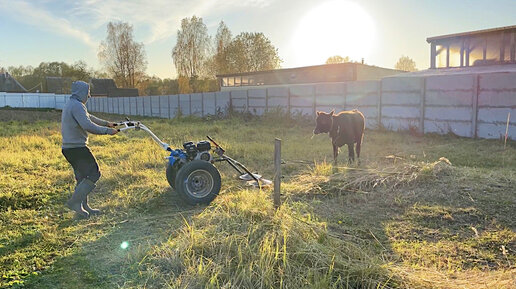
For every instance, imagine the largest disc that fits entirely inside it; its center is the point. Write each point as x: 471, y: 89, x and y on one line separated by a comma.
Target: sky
x: 305, y: 32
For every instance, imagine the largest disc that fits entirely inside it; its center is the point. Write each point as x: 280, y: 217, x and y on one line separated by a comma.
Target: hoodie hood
x: 80, y: 91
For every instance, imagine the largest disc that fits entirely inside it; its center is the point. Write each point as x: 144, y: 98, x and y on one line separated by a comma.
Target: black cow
x: 346, y: 127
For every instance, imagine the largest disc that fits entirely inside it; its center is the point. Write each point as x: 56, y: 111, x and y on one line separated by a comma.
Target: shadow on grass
x: 109, y: 248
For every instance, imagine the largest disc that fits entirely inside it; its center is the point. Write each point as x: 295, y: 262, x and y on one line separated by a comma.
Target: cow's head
x: 323, y: 122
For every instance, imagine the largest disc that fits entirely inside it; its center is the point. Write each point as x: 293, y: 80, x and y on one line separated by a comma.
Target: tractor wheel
x: 198, y: 182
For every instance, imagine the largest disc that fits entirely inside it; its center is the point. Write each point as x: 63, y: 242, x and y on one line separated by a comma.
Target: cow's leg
x: 351, y: 152
x: 359, y: 145
x: 335, y: 153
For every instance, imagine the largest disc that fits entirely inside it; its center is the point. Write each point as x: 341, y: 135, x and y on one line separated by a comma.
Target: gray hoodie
x: 76, y: 122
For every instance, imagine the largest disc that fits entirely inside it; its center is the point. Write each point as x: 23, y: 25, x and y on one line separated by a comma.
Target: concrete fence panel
x: 257, y: 101
x: 222, y: 101
x: 239, y: 100
x: 155, y: 106
x: 208, y: 103
x: 116, y: 105
x: 362, y: 93
x: 185, y: 104
x: 277, y: 97
x: 132, y: 105
x: 147, y: 106
x: 496, y: 115
x: 451, y: 90
x: 397, y: 124
x: 46, y: 101
x: 330, y: 96
x: 445, y: 127
x: 163, y: 106
x: 127, y: 105
x: 140, y: 106
x: 121, y: 105
x: 497, y: 90
x: 401, y: 91
x: 302, y: 99
x: 14, y: 100
x: 174, y: 105
x: 492, y: 130
x: 448, y: 113
x: 196, y: 104
x: 109, y: 105
x: 61, y: 100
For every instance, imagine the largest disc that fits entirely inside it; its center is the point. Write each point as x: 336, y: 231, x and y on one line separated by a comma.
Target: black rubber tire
x: 198, y: 182
x: 171, y: 175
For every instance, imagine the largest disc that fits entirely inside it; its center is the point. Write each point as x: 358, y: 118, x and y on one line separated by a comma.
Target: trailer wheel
x: 198, y: 182
x: 171, y: 174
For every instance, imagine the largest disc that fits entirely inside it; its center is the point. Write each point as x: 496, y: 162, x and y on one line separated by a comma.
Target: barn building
x: 340, y: 72
x: 107, y: 87
x: 10, y: 84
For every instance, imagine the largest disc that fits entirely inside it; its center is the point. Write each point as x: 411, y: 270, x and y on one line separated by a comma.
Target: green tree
x: 35, y: 78
x: 337, y: 59
x: 123, y: 58
x: 192, y: 49
x: 406, y: 63
x: 250, y: 52
x: 222, y: 41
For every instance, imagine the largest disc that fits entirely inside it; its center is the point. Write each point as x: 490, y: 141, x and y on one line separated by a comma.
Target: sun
x: 333, y: 28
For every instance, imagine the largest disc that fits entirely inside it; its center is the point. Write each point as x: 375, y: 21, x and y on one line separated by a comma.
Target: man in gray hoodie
x: 76, y: 122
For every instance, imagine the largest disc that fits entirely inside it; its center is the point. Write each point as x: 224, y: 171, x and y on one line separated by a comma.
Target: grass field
x: 419, y: 212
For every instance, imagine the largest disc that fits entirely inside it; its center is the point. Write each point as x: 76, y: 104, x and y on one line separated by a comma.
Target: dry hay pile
x: 388, y: 177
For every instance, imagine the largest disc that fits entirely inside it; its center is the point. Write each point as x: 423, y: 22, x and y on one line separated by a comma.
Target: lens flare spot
x: 124, y: 245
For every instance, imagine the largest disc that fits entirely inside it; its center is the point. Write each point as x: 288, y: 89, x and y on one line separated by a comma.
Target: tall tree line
x: 198, y: 59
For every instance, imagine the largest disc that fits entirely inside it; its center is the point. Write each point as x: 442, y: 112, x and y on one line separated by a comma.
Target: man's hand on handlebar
x: 113, y: 131
x: 112, y: 124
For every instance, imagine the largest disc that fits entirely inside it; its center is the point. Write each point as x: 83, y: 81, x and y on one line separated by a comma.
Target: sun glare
x: 333, y: 28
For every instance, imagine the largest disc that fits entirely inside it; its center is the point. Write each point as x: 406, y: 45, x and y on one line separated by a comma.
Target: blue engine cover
x: 175, y: 155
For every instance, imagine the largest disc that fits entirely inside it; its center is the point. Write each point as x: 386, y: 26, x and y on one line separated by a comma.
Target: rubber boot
x: 86, y: 207
x: 79, y: 195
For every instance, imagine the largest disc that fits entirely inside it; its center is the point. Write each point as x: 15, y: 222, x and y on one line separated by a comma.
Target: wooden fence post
x: 277, y: 172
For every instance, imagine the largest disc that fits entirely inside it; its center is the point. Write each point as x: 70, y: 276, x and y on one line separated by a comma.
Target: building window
x: 476, y: 50
x: 245, y: 81
x: 231, y: 81
x: 237, y: 81
x: 441, y: 56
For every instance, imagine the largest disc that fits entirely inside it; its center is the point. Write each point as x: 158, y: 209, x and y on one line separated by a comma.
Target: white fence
x: 474, y: 105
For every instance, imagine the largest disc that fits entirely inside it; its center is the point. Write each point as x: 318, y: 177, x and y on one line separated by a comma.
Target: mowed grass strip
x: 419, y: 212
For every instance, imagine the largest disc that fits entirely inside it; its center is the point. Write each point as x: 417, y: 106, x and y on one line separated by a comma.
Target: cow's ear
x: 332, y: 112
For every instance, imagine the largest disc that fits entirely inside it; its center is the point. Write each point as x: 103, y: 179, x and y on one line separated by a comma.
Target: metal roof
x: 469, y: 33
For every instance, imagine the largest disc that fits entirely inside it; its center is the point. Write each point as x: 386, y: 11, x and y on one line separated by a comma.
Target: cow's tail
x: 360, y: 137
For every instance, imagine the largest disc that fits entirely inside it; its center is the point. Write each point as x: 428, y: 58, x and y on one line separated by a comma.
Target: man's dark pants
x: 83, y: 163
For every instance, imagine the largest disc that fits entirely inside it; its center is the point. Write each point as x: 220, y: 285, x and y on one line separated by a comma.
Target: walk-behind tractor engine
x: 190, y: 170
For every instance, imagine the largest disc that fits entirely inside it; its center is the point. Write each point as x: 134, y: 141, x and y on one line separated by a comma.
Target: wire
x: 40, y: 87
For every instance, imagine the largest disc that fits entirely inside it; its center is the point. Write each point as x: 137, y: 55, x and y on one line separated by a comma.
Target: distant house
x: 9, y: 84
x: 107, y: 87
x: 495, y: 46
x: 340, y: 72
x: 58, y: 85
x: 100, y: 86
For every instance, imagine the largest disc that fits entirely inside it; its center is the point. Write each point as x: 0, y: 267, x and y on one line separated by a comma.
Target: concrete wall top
x: 302, y: 90
x: 330, y: 88
x: 450, y: 82
x: 401, y: 84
